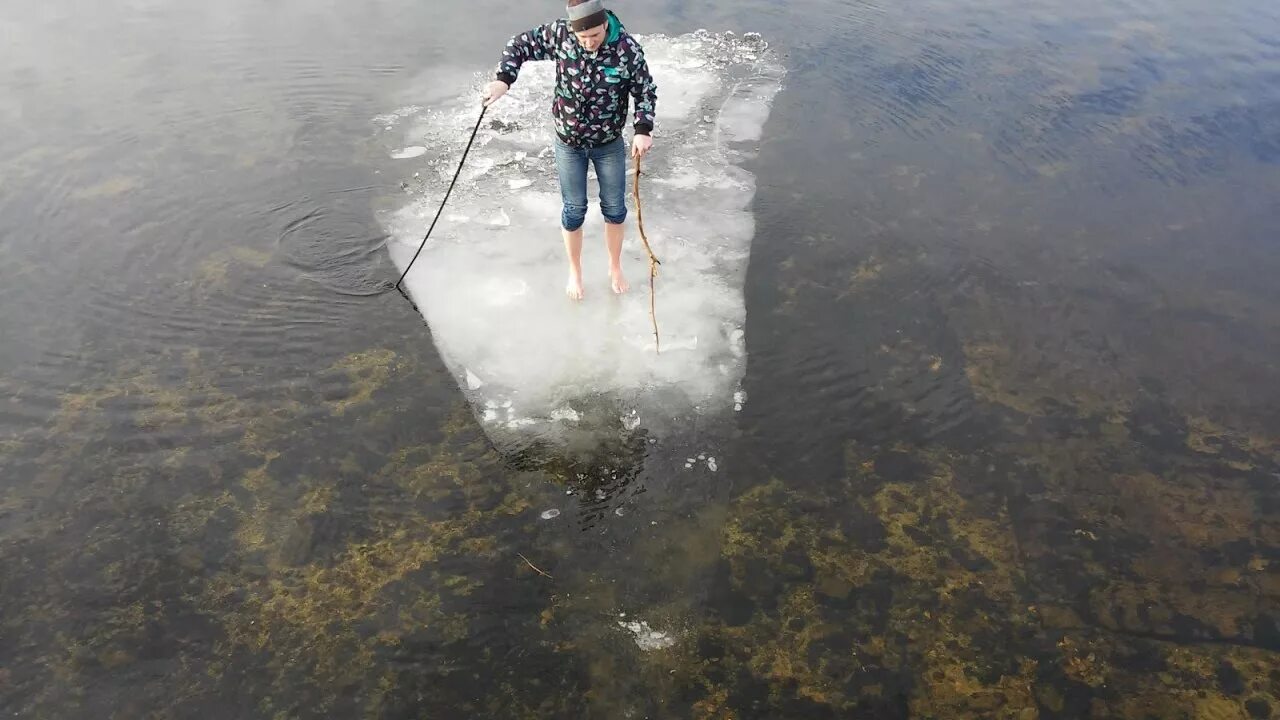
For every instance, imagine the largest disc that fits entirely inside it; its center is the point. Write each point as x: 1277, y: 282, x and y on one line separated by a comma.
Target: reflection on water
x: 1012, y: 445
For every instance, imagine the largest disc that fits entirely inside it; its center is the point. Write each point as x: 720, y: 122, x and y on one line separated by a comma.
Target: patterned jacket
x: 591, y: 98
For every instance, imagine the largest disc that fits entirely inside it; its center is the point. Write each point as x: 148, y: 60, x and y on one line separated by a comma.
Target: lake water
x: 1010, y: 445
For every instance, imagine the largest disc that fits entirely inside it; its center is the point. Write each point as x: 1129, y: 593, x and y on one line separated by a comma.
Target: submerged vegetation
x: 346, y: 554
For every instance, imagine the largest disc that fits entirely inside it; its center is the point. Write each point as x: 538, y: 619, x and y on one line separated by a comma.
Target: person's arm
x: 536, y: 44
x: 645, y: 93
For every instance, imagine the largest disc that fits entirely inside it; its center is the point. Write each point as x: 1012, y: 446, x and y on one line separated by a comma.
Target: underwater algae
x: 113, y: 499
x: 333, y: 622
x: 802, y: 619
x: 213, y: 272
x: 368, y: 371
x: 112, y: 187
x: 1146, y: 531
x: 336, y: 552
x: 1121, y: 496
x: 975, y: 629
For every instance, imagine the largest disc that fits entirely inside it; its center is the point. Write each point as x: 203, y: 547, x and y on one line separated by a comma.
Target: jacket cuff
x: 644, y: 128
x: 507, y: 78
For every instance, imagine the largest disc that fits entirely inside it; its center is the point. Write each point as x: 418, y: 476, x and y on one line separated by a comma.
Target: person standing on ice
x: 599, y: 67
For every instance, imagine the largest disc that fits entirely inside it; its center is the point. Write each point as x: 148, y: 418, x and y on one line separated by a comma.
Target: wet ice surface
x: 490, y: 282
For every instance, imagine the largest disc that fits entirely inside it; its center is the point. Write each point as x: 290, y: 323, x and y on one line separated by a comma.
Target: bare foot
x: 574, y: 287
x: 619, y: 282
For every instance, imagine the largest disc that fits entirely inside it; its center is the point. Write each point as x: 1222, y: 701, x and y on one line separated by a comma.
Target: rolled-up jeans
x: 611, y: 170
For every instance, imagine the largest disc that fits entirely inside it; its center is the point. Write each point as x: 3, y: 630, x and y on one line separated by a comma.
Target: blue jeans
x: 611, y: 170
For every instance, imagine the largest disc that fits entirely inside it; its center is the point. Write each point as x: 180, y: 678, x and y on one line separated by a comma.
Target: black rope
x: 461, y: 162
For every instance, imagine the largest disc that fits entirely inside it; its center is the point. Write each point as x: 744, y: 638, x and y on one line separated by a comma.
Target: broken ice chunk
x: 646, y: 637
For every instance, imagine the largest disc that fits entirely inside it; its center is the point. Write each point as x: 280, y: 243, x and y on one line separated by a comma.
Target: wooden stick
x: 535, y: 567
x: 653, y: 261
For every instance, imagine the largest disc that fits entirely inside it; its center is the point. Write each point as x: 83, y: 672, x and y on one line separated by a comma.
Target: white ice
x: 490, y: 282
x: 646, y: 637
x: 409, y: 153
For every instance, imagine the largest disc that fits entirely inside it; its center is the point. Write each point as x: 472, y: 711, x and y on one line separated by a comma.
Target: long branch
x: 653, y: 260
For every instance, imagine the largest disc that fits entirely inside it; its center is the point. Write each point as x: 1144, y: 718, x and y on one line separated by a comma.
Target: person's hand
x: 493, y: 91
x: 640, y: 145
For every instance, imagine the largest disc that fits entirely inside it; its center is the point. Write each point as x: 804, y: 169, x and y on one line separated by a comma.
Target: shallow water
x: 1011, y: 445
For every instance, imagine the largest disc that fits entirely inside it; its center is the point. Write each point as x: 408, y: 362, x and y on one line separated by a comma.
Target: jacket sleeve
x: 644, y: 90
x: 536, y: 44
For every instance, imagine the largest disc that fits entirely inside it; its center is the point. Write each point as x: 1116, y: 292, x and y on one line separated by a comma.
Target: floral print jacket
x: 592, y: 89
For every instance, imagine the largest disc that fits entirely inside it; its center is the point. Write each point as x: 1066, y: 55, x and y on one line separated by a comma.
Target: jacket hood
x: 615, y: 28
